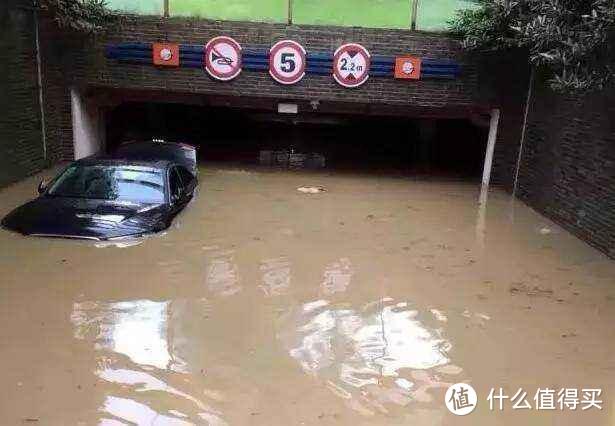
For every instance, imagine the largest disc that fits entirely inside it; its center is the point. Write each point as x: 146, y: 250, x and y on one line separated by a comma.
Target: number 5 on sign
x: 287, y: 61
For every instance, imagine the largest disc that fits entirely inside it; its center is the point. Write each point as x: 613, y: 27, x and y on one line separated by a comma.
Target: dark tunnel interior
x: 435, y: 147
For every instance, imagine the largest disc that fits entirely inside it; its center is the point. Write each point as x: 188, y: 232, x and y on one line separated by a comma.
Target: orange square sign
x: 166, y: 54
x: 408, y: 67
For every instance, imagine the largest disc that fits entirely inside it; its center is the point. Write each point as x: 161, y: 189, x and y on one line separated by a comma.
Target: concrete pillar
x: 88, y: 126
x: 493, y: 135
x: 484, y: 191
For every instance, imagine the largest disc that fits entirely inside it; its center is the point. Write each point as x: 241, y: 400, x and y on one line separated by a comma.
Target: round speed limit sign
x: 351, y: 65
x: 287, y: 62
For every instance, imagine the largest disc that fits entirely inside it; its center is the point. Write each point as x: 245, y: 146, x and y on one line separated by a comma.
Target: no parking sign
x: 351, y: 65
x: 287, y: 62
x: 223, y: 58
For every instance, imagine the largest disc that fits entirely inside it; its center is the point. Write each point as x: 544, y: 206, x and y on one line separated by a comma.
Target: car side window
x: 175, y: 183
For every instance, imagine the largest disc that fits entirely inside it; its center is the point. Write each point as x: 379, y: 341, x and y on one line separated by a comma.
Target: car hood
x: 83, y: 218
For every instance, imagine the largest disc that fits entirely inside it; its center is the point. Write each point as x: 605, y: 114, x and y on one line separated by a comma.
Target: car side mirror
x: 42, y: 186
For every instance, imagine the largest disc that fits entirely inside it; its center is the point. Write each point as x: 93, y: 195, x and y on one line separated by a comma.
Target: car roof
x: 109, y: 161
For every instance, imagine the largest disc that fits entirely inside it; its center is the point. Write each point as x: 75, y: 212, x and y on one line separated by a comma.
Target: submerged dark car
x: 114, y: 197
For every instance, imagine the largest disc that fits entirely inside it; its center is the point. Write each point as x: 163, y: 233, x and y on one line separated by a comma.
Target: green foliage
x: 85, y: 16
x: 573, y: 39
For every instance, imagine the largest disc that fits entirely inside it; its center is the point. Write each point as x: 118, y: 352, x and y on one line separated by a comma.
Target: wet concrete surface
x: 267, y: 306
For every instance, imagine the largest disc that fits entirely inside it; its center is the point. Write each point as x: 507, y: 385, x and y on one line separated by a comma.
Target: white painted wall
x: 88, y: 126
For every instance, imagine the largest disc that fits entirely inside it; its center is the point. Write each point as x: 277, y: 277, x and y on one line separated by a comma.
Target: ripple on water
x: 222, y: 277
x: 276, y: 276
x: 379, y: 353
x: 142, y: 362
x: 135, y: 328
x: 337, y: 277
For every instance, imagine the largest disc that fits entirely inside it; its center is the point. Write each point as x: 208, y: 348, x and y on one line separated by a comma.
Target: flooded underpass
x: 265, y: 305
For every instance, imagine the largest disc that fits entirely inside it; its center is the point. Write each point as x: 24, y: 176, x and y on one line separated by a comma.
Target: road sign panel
x: 165, y: 54
x: 287, y: 62
x: 408, y: 67
x: 223, y: 58
x: 351, y: 65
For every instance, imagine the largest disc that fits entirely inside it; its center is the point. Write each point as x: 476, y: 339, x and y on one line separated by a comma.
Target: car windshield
x: 105, y: 182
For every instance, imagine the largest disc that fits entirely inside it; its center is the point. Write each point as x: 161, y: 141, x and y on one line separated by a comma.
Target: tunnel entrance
x: 452, y: 148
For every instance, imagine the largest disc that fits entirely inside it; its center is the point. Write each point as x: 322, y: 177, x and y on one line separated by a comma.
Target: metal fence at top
x: 423, y: 15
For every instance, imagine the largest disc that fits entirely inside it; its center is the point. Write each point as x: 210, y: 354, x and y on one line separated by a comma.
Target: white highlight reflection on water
x: 136, y: 413
x: 222, y: 277
x: 337, y: 276
x: 138, y: 329
x: 352, y: 349
x: 382, y: 340
x: 276, y: 276
x: 135, y: 328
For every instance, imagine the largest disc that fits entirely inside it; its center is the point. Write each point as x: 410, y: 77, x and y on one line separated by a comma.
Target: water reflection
x: 145, y: 383
x: 337, y: 277
x: 276, y: 276
x: 136, y: 413
x: 141, y: 331
x: 135, y: 328
x: 222, y: 277
x: 129, y: 242
x: 379, y: 353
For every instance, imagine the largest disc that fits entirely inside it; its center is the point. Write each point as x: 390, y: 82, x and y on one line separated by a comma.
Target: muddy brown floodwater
x: 264, y: 305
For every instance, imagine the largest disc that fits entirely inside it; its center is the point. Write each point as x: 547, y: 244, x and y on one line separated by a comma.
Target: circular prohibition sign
x: 223, y: 58
x: 287, y: 62
x: 351, y: 65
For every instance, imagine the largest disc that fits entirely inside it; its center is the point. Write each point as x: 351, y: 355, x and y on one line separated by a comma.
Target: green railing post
x: 290, y: 12
x: 414, y: 14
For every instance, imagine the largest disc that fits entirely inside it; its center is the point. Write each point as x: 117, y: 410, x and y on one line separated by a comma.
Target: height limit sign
x: 351, y: 65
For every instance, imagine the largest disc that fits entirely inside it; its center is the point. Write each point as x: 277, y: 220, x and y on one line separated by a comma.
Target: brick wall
x: 510, y: 75
x: 426, y: 93
x: 72, y: 61
x: 486, y: 81
x: 21, y: 149
x: 568, y: 164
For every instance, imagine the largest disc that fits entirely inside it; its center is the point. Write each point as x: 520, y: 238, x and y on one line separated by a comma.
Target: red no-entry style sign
x: 223, y: 58
x: 287, y: 61
x: 351, y: 65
